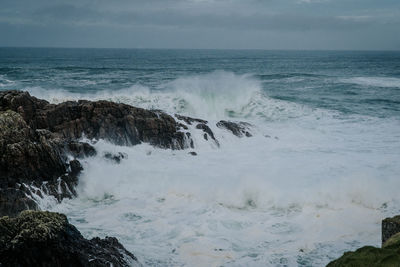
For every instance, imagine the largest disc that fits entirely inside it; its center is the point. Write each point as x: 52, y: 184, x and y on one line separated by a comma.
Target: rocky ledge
x: 40, y: 148
x: 40, y: 152
x: 387, y: 256
x: 38, y: 238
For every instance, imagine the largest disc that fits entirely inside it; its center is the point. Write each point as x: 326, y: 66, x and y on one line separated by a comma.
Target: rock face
x: 388, y: 255
x: 118, y: 123
x: 239, y: 129
x: 390, y: 227
x: 36, y: 238
x: 28, y: 159
x: 37, y: 137
x: 39, y: 154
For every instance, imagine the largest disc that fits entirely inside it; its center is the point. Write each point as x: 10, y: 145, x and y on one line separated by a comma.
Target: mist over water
x: 319, y: 174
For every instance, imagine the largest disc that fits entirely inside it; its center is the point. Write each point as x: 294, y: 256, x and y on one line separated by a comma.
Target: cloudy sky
x: 232, y: 24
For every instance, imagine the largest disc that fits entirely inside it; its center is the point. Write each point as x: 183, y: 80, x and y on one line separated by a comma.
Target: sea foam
x: 308, y: 185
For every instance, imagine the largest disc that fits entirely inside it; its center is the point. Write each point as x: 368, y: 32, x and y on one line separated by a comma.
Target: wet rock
x: 207, y: 130
x: 14, y: 200
x: 118, y: 123
x: 36, y: 238
x: 239, y: 129
x: 190, y: 120
x: 28, y: 157
x: 80, y: 149
x: 116, y: 158
x: 390, y: 227
x: 37, y: 139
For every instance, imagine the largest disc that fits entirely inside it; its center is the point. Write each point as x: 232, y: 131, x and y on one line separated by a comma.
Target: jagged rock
x: 80, y: 149
x: 36, y: 238
x: 115, y: 157
x: 118, y: 123
x: 239, y: 129
x: 28, y: 157
x: 14, y: 200
x: 390, y: 227
x: 207, y: 132
x: 37, y: 137
x: 190, y: 120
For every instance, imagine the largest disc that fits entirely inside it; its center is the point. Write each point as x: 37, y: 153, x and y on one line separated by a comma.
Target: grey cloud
x: 202, y: 23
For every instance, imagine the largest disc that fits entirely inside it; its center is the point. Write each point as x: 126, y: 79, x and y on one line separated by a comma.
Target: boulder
x: 116, y: 158
x: 239, y: 129
x: 37, y: 238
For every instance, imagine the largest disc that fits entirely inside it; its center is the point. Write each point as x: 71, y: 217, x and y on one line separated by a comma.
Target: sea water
x: 320, y: 172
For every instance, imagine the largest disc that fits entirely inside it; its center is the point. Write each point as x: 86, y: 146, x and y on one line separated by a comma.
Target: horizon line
x: 232, y: 49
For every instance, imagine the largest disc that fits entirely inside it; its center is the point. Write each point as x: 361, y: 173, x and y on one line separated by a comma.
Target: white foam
x: 319, y: 188
x: 375, y: 81
x: 4, y: 82
x: 216, y: 95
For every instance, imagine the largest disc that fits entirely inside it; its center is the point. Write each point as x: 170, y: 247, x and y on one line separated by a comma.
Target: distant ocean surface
x: 319, y: 174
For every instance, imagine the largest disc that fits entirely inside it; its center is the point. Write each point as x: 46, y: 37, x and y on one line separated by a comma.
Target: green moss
x: 31, y: 226
x: 12, y: 126
x: 370, y: 257
x: 394, y: 241
x: 395, y: 219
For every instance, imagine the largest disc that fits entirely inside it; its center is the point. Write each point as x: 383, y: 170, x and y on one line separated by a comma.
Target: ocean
x: 320, y: 172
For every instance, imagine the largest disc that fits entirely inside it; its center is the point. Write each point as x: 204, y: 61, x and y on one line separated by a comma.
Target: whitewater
x: 316, y: 178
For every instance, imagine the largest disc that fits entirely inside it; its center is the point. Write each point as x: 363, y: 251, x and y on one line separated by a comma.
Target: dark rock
x: 192, y: 153
x: 190, y: 120
x: 28, y: 157
x: 390, y: 227
x: 115, y: 157
x: 36, y: 238
x: 239, y: 129
x: 75, y: 167
x: 118, y: 123
x: 14, y: 200
x: 208, y: 131
x: 191, y: 140
x: 80, y: 149
x: 36, y: 138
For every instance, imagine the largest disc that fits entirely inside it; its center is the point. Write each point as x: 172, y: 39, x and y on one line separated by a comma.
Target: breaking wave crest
x: 277, y: 198
x: 375, y: 81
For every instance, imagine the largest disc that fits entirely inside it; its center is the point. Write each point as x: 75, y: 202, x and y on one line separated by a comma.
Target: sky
x: 202, y: 24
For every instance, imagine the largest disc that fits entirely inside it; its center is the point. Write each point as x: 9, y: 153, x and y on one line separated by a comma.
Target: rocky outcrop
x: 37, y: 238
x: 388, y: 255
x: 40, y: 149
x: 116, y: 158
x: 390, y: 227
x: 118, y: 123
x: 31, y: 159
x: 239, y: 129
x: 37, y: 138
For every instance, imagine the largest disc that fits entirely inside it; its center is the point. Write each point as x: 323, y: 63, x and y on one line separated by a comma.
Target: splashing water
x: 316, y: 178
